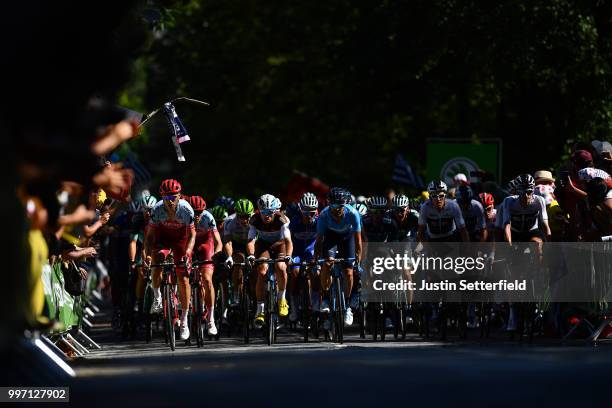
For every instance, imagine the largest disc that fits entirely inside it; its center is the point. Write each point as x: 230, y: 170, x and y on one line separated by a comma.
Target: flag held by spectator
x: 403, y: 174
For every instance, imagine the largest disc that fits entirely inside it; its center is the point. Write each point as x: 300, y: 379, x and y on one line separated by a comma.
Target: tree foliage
x: 337, y: 88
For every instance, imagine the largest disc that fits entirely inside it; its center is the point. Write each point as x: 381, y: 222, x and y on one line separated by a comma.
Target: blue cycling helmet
x: 464, y: 194
x: 225, y: 202
x: 338, y: 195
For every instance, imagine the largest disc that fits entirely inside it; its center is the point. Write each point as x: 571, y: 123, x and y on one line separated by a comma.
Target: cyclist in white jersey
x: 524, y: 215
x: 441, y: 218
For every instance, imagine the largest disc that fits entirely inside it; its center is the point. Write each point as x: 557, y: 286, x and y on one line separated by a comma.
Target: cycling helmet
x: 244, y: 207
x: 437, y: 186
x: 362, y: 209
x: 464, y: 194
x: 197, y: 203
x: 525, y: 182
x: 136, y: 205
x: 225, y: 202
x: 400, y: 201
x: 169, y: 187
x: 338, y: 195
x: 377, y: 203
x: 309, y: 202
x: 219, y: 213
x: 361, y: 199
x: 353, y: 201
x: 486, y: 199
x: 268, y: 202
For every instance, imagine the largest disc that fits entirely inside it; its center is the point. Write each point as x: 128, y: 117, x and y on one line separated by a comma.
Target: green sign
x: 446, y: 158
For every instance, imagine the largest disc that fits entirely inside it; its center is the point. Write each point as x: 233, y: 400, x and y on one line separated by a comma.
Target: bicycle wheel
x: 381, y: 323
x: 362, y: 320
x: 339, y: 314
x: 244, y: 304
x: 270, y: 323
x: 197, y: 316
x: 169, y: 313
x: 305, y: 311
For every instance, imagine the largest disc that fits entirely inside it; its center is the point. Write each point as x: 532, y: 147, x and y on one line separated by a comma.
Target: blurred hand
x: 81, y: 215
x: 112, y: 179
x: 104, y: 218
x: 114, y: 136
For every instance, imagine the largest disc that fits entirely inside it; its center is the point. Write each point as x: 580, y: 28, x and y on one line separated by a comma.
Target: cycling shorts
x: 527, y: 236
x: 344, y: 244
x: 271, y: 250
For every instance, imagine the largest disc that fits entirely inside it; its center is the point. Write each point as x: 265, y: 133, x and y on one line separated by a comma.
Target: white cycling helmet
x: 268, y: 202
x: 309, y: 202
x: 149, y: 202
x: 362, y: 209
x: 437, y: 186
x: 377, y: 203
x: 400, y: 201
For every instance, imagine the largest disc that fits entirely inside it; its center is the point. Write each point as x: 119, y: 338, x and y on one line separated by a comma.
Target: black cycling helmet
x: 525, y: 182
x: 338, y: 195
x: 464, y: 194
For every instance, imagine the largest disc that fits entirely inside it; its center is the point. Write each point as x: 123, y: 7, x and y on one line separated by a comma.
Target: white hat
x: 460, y: 178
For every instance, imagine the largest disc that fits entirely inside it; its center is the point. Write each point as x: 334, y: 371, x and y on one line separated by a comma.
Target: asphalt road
x: 357, y: 373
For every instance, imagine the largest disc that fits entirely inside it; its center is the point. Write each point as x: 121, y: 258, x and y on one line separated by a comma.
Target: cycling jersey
x: 474, y: 217
x: 274, y: 231
x: 170, y: 232
x: 524, y: 218
x: 349, y: 223
x: 303, y: 235
x: 443, y: 223
x: 374, y: 232
x: 235, y: 231
x: 499, y: 217
x: 206, y: 227
x: 400, y: 231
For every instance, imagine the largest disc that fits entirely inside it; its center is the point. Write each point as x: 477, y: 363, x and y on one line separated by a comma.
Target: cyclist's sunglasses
x: 170, y: 198
x: 489, y: 208
x: 308, y: 213
x: 439, y: 196
x: 400, y: 210
x: 377, y: 210
x: 336, y: 206
x: 268, y: 213
x: 244, y: 216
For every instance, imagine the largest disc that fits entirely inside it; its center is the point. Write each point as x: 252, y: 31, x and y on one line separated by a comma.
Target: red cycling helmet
x: 486, y: 199
x: 197, y: 203
x: 169, y: 186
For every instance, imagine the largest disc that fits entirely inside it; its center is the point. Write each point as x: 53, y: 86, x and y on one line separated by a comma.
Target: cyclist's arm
x: 250, y: 246
x: 227, y: 247
x: 358, y: 246
x: 217, y: 239
x: 507, y: 233
x: 132, y: 249
x: 421, y: 234
x: 464, y: 234
x: 484, y: 235
x: 149, y: 241
x: 546, y: 229
x: 318, y: 248
x: 191, y: 242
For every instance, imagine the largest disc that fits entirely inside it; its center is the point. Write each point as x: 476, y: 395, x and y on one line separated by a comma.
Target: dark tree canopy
x: 337, y: 88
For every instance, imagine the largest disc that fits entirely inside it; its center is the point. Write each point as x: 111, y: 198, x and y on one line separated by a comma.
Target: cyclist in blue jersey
x: 338, y: 226
x: 303, y: 227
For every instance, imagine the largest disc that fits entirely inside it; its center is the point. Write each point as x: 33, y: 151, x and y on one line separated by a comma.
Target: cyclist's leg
x: 346, y: 249
x: 159, y: 256
x: 278, y: 250
x: 261, y: 251
x: 237, y: 272
x: 205, y: 252
x: 183, y: 282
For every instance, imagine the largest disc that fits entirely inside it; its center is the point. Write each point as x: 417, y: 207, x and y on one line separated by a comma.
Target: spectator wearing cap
x: 460, y: 179
x: 544, y: 177
x: 603, y: 158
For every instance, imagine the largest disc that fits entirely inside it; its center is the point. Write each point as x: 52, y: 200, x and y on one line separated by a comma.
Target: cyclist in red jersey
x: 171, y: 227
x: 208, y: 242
